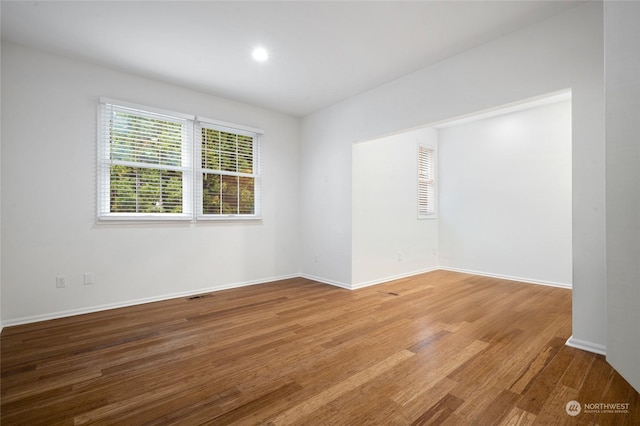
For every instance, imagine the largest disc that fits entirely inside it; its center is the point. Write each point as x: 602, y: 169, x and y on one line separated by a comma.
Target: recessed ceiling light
x: 260, y: 54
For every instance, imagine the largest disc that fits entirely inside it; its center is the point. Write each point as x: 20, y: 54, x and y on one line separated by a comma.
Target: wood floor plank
x: 439, y: 412
x: 309, y: 406
x: 425, y: 398
x: 615, y: 392
x: 518, y: 417
x: 537, y: 394
x: 554, y: 409
x: 438, y: 348
x: 435, y: 365
x: 576, y: 374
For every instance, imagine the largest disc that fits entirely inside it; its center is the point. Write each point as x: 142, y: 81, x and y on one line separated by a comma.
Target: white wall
x: 505, y: 195
x: 1, y: 323
x: 388, y: 239
x: 563, y: 52
x: 622, y: 47
x: 49, y: 197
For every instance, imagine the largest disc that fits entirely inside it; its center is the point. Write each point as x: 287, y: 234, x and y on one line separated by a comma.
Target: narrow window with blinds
x: 144, y: 164
x: 228, y: 172
x: 426, y: 182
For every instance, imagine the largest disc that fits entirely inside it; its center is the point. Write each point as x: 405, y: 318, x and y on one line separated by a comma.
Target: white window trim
x: 229, y: 126
x: 192, y: 205
x: 146, y: 108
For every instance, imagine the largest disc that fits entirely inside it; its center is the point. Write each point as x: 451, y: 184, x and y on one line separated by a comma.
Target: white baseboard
x: 326, y: 281
x: 506, y: 277
x: 586, y: 346
x: 98, y: 308
x: 393, y: 278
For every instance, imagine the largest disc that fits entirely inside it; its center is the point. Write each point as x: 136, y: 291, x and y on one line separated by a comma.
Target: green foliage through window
x: 228, y: 181
x: 143, y: 190
x: 145, y: 162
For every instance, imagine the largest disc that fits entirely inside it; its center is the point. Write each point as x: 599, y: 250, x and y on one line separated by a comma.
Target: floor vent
x: 390, y: 293
x: 198, y: 296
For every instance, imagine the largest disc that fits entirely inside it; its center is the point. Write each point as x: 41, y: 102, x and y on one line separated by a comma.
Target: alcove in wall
x: 503, y: 204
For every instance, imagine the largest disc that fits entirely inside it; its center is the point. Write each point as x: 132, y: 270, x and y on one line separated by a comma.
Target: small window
x: 426, y: 182
x: 228, y: 179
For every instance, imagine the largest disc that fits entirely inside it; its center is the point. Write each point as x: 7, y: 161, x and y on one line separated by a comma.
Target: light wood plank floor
x: 439, y: 348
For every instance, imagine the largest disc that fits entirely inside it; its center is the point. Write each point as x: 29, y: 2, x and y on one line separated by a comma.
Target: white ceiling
x: 320, y: 52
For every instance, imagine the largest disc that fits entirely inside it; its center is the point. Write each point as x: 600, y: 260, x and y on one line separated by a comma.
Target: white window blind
x: 144, y: 164
x: 227, y: 176
x: 426, y: 182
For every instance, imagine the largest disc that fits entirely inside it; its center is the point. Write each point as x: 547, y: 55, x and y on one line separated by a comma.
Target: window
x: 228, y: 171
x: 144, y: 164
x: 426, y: 182
x: 151, y: 166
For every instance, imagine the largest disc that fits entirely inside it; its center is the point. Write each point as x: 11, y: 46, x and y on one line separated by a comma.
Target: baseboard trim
x: 105, y: 307
x: 586, y: 346
x: 507, y: 277
x: 393, y: 278
x: 326, y: 281
x: 97, y: 308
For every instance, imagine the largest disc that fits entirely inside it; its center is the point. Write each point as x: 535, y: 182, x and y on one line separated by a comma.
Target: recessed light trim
x: 260, y: 54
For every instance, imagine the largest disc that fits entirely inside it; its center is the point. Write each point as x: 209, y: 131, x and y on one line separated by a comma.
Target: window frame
x: 190, y: 165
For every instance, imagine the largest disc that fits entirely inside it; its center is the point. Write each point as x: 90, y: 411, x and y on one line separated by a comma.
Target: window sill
x: 158, y: 219
x: 228, y: 218
x: 140, y: 219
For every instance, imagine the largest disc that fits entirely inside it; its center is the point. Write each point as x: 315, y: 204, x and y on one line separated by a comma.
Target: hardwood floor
x: 439, y: 348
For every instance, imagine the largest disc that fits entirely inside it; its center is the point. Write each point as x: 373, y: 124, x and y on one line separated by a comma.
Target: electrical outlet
x: 315, y: 257
x: 88, y: 278
x: 61, y: 281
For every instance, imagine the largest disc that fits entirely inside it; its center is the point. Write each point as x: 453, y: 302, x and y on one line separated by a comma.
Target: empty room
x: 320, y: 212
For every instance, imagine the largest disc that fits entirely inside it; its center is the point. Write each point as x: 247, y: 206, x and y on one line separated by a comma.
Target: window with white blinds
x: 426, y: 182
x: 151, y: 166
x: 227, y: 174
